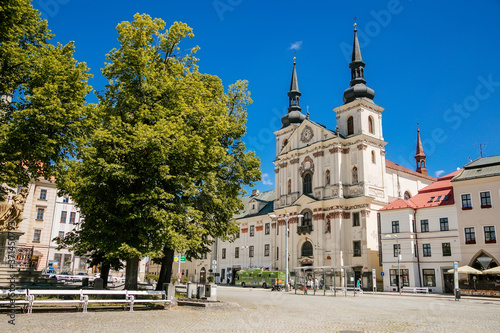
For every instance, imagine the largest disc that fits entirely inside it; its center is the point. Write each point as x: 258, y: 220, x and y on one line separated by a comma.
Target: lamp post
x: 399, y: 254
x: 287, y: 217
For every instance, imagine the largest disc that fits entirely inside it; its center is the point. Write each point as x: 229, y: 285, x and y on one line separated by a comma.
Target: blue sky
x: 430, y: 62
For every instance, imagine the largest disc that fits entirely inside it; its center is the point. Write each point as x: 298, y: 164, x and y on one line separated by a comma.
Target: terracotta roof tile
x: 395, y: 166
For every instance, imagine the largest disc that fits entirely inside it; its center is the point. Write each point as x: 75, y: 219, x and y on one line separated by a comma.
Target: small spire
x: 420, y: 155
x: 294, y: 110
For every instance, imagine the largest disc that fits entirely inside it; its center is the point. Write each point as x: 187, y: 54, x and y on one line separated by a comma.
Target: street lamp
x: 399, y: 254
x: 287, y: 217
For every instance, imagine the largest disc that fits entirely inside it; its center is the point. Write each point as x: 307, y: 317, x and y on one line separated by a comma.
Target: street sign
x: 183, y: 258
x: 381, y: 273
x: 176, y: 258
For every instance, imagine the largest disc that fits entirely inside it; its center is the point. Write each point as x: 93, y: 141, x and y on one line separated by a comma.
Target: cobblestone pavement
x: 258, y: 310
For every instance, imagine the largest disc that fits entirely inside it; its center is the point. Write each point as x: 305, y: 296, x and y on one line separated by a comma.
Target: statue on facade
x: 11, y: 214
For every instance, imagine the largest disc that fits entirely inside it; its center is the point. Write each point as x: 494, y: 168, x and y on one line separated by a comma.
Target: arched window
x: 307, y: 219
x: 307, y: 249
x: 327, y: 180
x: 350, y: 125
x: 370, y: 125
x: 289, y: 186
x: 307, y: 183
x: 407, y: 195
x: 373, y: 156
x: 354, y: 175
x: 285, y: 142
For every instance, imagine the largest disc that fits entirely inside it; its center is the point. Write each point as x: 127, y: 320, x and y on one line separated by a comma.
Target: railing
x: 304, y: 229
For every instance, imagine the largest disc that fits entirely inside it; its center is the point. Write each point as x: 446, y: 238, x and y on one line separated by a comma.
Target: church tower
x: 420, y: 156
x: 294, y: 115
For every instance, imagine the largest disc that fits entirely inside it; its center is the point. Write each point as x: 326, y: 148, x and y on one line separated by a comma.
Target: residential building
x: 420, y: 239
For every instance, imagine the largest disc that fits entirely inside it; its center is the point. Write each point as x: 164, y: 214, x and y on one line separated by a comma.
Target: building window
x: 65, y: 199
x: 268, y: 228
x: 238, y: 234
x: 277, y: 253
x: 250, y: 251
x: 356, y: 247
x: 470, y: 236
x: 395, y: 227
x: 355, y: 219
x: 266, y: 250
x: 350, y: 125
x: 446, y: 249
x: 63, y: 216
x: 72, y: 217
x: 424, y: 225
x: 43, y: 195
x: 396, y: 249
x: 354, y: 175
x: 407, y: 195
x: 252, y: 230
x: 205, y: 255
x: 39, y: 213
x: 36, y: 236
x: 67, y: 260
x: 489, y: 235
x: 307, y: 183
x: 236, y: 252
x: 307, y: 249
x: 327, y: 180
x: 443, y: 224
x: 223, y: 253
x: 427, y: 250
x: 58, y: 258
x: 370, y: 125
x: 429, y: 277
x: 61, y: 235
x: 466, y: 202
x: 373, y: 157
x: 307, y: 219
x: 404, y: 274
x: 289, y: 186
x: 485, y: 199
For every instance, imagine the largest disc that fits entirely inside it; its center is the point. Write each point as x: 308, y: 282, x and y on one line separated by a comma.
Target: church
x: 330, y: 183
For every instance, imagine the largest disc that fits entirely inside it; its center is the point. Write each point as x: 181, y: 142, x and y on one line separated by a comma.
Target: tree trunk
x: 104, y: 274
x: 131, y: 274
x: 166, y: 267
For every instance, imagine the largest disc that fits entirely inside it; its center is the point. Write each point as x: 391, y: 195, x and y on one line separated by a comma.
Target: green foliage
x: 211, y: 279
x: 43, y: 89
x: 185, y: 280
x: 152, y: 277
x: 165, y: 165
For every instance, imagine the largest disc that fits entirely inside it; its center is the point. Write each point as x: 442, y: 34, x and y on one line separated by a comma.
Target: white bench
x: 130, y: 297
x: 415, y: 289
x: 13, y: 296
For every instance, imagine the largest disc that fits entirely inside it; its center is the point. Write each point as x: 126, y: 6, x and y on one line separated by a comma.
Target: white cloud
x: 439, y: 173
x: 296, y: 46
x: 266, y: 180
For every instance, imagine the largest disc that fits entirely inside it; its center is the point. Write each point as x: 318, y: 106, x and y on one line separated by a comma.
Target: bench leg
x: 31, y: 298
x: 85, y: 303
x: 131, y: 298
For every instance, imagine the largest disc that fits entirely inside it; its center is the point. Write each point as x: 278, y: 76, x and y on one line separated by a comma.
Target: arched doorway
x: 203, y: 275
x: 483, y: 260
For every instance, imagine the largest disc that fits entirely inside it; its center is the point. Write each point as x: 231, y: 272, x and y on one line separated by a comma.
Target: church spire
x: 420, y: 156
x: 358, y: 87
x: 294, y: 114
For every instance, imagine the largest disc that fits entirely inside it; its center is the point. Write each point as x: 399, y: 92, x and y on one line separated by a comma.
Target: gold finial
x: 294, y: 58
x: 355, y: 24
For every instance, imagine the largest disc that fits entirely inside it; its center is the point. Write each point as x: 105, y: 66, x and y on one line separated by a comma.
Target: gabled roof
x: 436, y: 194
x: 265, y: 197
x: 397, y: 167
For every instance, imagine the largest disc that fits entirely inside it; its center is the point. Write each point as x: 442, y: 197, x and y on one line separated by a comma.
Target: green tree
x: 42, y: 89
x: 164, y: 169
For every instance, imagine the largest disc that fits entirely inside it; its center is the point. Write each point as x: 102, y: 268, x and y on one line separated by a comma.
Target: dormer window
x: 431, y: 199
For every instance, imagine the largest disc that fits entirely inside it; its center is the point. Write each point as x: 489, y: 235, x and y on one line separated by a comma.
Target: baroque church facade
x: 329, y: 185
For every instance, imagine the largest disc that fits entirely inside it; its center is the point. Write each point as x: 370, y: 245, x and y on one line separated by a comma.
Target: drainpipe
x: 416, y: 245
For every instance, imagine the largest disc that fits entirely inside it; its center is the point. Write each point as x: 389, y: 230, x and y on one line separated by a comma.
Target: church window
x: 284, y: 143
x: 373, y: 156
x: 289, y: 186
x: 307, y: 249
x: 307, y: 183
x: 350, y: 125
x: 328, y: 227
x: 354, y: 175
x: 370, y: 125
x: 327, y: 177
x: 307, y: 219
